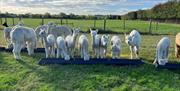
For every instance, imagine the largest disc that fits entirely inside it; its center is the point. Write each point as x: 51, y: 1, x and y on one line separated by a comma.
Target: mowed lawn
x: 27, y: 75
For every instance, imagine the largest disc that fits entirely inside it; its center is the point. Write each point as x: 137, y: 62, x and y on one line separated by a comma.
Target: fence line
x: 105, y: 24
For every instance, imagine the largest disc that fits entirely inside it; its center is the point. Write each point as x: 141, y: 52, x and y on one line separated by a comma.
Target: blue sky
x: 85, y: 7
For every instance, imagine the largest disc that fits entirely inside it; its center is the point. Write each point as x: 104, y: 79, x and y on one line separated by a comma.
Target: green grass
x: 112, y: 25
x: 27, y: 75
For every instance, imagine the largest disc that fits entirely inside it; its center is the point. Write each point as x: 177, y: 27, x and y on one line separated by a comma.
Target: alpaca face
x: 76, y: 31
x: 105, y: 40
x: 94, y: 32
x: 128, y: 39
x: 42, y: 33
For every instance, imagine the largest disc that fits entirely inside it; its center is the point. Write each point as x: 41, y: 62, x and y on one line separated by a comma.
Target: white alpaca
x: 49, y: 43
x: 133, y: 40
x: 116, y: 46
x: 38, y: 29
x: 21, y: 36
x: 162, y: 51
x: 70, y: 41
x: 59, y: 31
x: 83, y: 46
x: 95, y: 42
x: 7, y: 31
x: 61, y: 48
x: 103, y: 45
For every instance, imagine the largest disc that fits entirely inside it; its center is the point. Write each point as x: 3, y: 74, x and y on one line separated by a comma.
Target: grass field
x: 112, y: 25
x: 27, y: 75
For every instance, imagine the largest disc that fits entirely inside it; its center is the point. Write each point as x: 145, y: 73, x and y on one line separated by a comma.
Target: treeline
x: 58, y: 16
x: 167, y: 11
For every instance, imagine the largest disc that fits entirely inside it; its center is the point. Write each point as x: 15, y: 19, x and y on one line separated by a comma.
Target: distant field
x: 27, y: 75
x: 112, y: 25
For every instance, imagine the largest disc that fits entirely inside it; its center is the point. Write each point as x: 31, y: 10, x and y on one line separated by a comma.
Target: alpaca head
x: 93, y: 32
x: 42, y: 33
x: 105, y: 40
x: 7, y: 32
x: 76, y: 31
x: 21, y: 23
x: 50, y: 23
x: 128, y: 39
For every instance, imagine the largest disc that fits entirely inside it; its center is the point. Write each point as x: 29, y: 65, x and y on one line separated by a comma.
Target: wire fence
x: 114, y: 26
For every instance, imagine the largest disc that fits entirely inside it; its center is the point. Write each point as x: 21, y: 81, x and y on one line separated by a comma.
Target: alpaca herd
x: 63, y: 39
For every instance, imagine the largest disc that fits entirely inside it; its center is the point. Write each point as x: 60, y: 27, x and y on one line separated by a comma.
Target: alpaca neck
x: 93, y: 39
x: 45, y: 40
x: 74, y: 38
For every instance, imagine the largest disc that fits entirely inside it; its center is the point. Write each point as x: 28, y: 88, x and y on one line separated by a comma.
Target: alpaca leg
x: 53, y: 51
x: 15, y: 52
x: 28, y: 49
x: 96, y: 52
x: 113, y: 55
x: 19, y: 50
x: 81, y: 49
x: 47, y: 52
x: 136, y: 51
x: 101, y: 52
x: 58, y: 52
x: 32, y: 46
x: 131, y: 49
x: 62, y: 53
x: 72, y: 52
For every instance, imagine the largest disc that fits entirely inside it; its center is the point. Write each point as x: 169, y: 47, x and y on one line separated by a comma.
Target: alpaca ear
x: 90, y: 30
x: 125, y: 34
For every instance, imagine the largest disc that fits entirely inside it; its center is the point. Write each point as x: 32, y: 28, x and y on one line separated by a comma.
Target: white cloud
x: 73, y: 6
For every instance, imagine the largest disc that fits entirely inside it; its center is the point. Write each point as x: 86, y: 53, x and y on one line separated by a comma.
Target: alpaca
x: 70, y: 41
x: 59, y: 31
x: 49, y: 43
x: 103, y: 45
x: 177, y: 46
x: 61, y: 48
x: 21, y: 36
x: 83, y: 46
x: 95, y: 42
x: 116, y: 46
x: 37, y: 30
x: 133, y: 40
x: 162, y: 51
x: 7, y: 31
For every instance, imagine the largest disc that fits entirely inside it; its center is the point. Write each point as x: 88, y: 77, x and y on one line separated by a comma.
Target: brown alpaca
x: 177, y: 46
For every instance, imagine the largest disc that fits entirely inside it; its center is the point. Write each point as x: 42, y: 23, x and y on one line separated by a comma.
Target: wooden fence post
x: 13, y: 21
x: 94, y: 23
x: 66, y: 21
x: 42, y: 20
x: 1, y: 20
x: 157, y: 25
x: 5, y: 19
x: 150, y: 27
x: 104, y: 24
x: 124, y: 24
x: 20, y: 18
x: 61, y: 21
